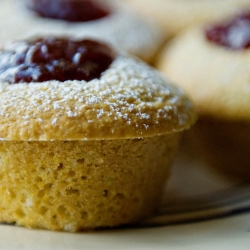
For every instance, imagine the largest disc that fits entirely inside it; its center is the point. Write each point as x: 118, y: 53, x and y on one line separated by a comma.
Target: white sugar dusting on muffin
x: 129, y: 92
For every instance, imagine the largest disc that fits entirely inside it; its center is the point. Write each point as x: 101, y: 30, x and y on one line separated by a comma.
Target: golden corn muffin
x: 81, y: 154
x: 174, y: 16
x: 212, y: 64
x: 111, y: 22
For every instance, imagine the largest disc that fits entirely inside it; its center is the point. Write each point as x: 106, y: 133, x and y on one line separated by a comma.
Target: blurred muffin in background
x: 110, y: 21
x: 212, y: 64
x: 175, y: 15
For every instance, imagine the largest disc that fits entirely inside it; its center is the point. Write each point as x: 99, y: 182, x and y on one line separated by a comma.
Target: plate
x: 196, y: 191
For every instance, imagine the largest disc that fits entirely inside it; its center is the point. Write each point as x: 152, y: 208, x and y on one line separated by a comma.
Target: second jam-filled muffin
x: 110, y: 21
x: 212, y: 64
x: 87, y: 135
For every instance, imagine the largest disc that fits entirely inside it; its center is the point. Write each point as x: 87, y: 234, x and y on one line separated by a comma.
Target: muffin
x: 87, y: 134
x: 212, y: 64
x: 175, y: 15
x: 110, y: 21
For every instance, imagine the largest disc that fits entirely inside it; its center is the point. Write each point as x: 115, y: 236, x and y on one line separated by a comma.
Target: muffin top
x: 211, y: 63
x: 118, y: 26
x: 128, y: 99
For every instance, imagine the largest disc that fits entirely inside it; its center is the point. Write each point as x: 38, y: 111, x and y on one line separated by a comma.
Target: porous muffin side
x: 83, y: 184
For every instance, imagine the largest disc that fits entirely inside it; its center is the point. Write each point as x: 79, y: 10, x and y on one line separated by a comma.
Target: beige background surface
x: 228, y: 233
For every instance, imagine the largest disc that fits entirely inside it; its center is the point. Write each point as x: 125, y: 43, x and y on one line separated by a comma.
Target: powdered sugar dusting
x: 128, y: 96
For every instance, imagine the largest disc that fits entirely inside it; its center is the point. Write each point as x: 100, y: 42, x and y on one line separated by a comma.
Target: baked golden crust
x: 216, y: 78
x: 122, y: 29
x: 130, y: 100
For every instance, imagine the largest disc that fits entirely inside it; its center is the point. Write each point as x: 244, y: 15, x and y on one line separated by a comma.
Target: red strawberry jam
x: 69, y: 10
x: 233, y: 34
x: 51, y: 58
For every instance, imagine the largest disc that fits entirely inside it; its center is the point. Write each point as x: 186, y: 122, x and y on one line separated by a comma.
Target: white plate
x: 200, y: 211
x: 231, y: 233
x: 197, y: 191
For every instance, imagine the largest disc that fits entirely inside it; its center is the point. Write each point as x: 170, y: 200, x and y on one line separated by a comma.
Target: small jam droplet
x: 69, y: 10
x: 51, y: 58
x: 233, y: 34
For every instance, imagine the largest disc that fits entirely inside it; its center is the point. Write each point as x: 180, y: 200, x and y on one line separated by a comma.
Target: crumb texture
x: 130, y: 100
x: 85, y: 184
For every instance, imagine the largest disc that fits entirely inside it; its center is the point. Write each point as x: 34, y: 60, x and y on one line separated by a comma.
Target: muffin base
x: 76, y: 185
x: 224, y: 145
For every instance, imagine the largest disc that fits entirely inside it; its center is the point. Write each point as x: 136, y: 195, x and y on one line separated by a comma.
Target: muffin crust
x: 128, y: 101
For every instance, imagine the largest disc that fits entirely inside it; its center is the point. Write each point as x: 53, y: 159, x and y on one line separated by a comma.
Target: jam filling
x: 61, y: 59
x: 69, y: 10
x: 233, y: 34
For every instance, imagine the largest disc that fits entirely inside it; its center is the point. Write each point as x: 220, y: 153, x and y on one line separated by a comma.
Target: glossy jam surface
x: 59, y: 59
x: 69, y: 10
x: 233, y: 34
